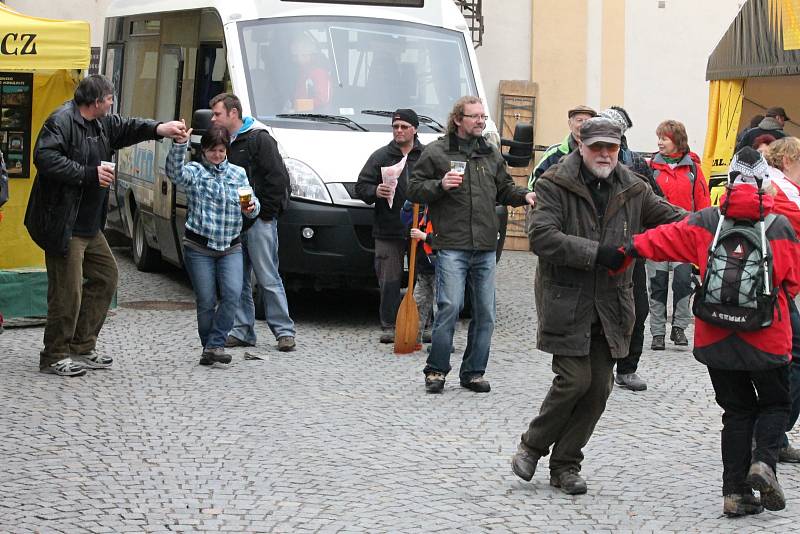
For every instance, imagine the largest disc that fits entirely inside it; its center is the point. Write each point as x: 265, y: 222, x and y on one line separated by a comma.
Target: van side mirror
x: 201, y: 122
x: 520, y: 149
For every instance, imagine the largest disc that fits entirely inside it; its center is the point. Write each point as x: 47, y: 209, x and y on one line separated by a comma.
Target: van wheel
x: 146, y: 258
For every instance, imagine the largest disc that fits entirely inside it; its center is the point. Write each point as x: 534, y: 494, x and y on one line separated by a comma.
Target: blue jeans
x: 453, y: 269
x: 260, y: 244
x: 794, y: 371
x: 211, y: 276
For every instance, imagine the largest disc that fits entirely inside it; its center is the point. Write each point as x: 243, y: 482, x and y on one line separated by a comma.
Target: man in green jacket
x: 587, y: 207
x: 461, y: 179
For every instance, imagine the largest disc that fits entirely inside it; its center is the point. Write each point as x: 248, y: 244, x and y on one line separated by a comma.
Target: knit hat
x: 747, y: 166
x: 618, y: 115
x: 407, y: 115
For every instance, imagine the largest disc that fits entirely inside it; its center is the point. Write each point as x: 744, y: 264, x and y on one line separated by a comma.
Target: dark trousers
x: 389, y: 255
x: 794, y: 371
x: 80, y: 288
x: 756, y: 405
x: 572, y: 407
x: 641, y: 303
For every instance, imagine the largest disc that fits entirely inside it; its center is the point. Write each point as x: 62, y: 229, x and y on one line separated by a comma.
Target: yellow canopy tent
x: 755, y: 65
x: 40, y: 60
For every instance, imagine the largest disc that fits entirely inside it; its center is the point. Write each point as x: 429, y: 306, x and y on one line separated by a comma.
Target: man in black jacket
x: 254, y: 149
x: 389, y: 231
x: 66, y: 215
x: 772, y: 124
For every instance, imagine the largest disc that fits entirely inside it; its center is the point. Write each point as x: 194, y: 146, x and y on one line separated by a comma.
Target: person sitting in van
x: 212, y: 248
x: 312, y: 82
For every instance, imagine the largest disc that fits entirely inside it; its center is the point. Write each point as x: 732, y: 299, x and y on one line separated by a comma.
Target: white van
x: 322, y: 75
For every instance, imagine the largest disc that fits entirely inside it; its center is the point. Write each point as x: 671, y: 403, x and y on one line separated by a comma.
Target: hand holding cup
x: 105, y: 173
x: 456, y: 175
x: 246, y: 198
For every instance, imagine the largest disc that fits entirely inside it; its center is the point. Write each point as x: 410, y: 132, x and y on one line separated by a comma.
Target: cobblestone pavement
x: 339, y: 436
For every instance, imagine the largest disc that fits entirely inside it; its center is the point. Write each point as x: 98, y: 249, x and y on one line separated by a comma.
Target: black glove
x: 611, y: 257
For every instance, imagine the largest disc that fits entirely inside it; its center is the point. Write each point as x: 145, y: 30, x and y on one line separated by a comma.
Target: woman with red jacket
x: 749, y: 370
x: 677, y: 172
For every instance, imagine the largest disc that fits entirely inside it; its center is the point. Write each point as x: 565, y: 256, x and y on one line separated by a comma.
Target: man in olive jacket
x: 587, y: 207
x: 66, y: 215
x: 462, y: 211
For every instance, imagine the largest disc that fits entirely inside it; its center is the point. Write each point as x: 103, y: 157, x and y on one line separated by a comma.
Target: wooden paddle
x: 407, y: 322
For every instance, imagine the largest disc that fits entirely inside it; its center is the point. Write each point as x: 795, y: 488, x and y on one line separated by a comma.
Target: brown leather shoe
x: 523, y: 463
x: 569, y: 481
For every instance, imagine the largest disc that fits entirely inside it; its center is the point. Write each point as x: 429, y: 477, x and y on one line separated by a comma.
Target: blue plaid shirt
x: 214, y: 210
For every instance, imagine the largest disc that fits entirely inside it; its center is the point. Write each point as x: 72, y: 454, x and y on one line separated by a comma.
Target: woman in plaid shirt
x: 212, y: 251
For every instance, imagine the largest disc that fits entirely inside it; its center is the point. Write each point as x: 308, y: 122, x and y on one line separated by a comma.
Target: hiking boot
x: 630, y: 381
x: 65, y: 367
x: 678, y: 337
x: 658, y: 343
x: 232, y: 342
x: 789, y: 454
x: 570, y: 482
x: 286, y: 343
x: 476, y: 383
x: 738, y: 504
x: 426, y: 336
x: 523, y: 463
x: 761, y: 477
x: 215, y: 355
x: 434, y: 382
x: 387, y: 335
x: 92, y: 360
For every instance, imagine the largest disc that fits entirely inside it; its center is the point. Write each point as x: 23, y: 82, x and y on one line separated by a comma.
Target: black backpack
x: 736, y: 292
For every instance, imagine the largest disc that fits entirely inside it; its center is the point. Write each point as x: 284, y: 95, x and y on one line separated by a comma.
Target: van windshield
x: 342, y: 66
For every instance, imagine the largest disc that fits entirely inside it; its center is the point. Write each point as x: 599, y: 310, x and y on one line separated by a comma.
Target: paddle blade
x: 406, y: 325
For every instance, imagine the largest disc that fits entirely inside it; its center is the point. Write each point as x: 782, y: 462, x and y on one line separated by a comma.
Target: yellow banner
x: 30, y: 43
x: 724, y: 114
x: 50, y: 89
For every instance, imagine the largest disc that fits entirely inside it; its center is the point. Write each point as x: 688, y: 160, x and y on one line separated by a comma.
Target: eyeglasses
x: 597, y: 147
x: 476, y: 116
x: 401, y: 126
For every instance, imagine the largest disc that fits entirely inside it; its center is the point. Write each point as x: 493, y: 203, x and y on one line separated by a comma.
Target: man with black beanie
x: 388, y: 229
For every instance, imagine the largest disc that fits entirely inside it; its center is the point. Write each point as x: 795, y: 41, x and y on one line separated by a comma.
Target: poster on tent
x: 16, y: 105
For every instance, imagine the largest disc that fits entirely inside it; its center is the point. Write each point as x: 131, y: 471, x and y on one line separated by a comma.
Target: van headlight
x: 306, y: 183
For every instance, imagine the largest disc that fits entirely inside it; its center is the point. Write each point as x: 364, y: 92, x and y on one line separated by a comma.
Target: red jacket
x: 679, y: 189
x: 688, y: 241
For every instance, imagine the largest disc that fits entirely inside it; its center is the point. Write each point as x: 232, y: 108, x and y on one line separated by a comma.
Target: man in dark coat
x: 772, y: 124
x: 66, y: 215
x: 587, y: 206
x: 388, y: 229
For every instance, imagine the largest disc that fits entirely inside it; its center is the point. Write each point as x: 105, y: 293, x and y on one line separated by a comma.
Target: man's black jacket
x: 388, y: 224
x: 266, y: 171
x: 61, y: 157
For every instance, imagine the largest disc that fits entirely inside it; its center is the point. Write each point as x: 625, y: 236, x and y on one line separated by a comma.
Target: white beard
x: 601, y: 172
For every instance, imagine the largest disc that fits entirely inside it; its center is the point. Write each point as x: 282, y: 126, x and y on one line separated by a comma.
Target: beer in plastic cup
x: 245, y: 196
x: 109, y: 164
x: 458, y: 167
